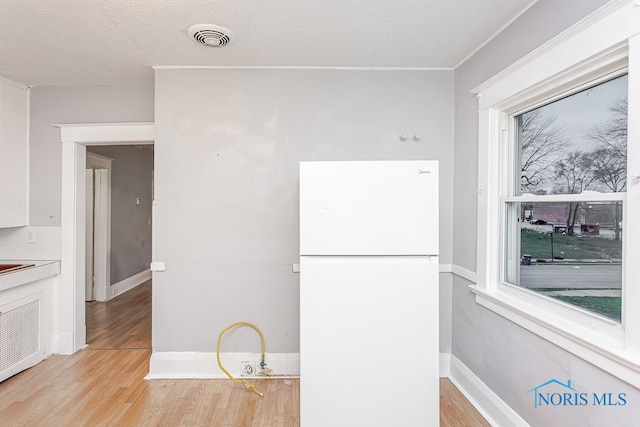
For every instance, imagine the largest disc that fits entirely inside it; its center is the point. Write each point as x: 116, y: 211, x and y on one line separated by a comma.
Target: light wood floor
x: 104, y: 385
x: 122, y: 323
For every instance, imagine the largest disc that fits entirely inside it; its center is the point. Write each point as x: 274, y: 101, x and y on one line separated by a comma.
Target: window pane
x: 577, y: 143
x: 571, y: 251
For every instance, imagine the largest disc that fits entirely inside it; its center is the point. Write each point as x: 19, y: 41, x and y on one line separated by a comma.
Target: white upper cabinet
x: 14, y: 154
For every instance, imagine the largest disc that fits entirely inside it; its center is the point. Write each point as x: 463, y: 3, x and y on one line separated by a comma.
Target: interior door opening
x: 119, y: 195
x: 75, y: 138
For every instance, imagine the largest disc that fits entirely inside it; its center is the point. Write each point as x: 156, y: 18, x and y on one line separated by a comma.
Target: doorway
x: 128, y: 256
x: 71, y: 331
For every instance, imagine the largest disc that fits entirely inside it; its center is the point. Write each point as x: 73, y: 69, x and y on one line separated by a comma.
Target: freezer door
x: 369, y: 208
x: 369, y: 342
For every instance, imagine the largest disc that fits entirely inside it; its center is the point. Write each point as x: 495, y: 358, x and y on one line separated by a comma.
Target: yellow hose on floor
x: 245, y: 383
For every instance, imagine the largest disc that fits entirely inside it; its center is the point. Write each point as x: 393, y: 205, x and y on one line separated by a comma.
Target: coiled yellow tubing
x: 245, y: 383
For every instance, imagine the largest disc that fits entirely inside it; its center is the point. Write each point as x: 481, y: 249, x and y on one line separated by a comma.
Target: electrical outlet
x: 248, y: 368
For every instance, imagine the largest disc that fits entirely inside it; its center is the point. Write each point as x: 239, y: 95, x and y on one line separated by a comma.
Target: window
x: 570, y: 250
x: 559, y: 191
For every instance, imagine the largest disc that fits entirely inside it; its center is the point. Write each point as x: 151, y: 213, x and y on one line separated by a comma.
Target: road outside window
x: 571, y: 249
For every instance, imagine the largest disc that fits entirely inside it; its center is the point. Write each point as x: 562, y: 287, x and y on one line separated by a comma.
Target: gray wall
x: 228, y: 143
x: 71, y: 104
x: 131, y: 174
x: 506, y: 357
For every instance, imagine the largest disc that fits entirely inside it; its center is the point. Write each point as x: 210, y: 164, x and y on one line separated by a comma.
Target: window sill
x: 595, y: 340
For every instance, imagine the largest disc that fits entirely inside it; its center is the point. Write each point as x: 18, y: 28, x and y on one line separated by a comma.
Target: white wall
x: 51, y: 105
x: 71, y: 104
x: 30, y: 243
x: 509, y: 359
x: 228, y: 143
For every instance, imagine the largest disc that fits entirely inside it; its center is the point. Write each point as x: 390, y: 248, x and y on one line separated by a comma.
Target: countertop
x: 40, y: 270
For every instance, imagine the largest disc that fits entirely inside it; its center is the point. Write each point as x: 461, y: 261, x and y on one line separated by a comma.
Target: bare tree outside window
x: 612, y: 134
x: 610, y: 161
x: 573, y: 175
x: 565, y: 144
x: 572, y: 249
x: 541, y: 144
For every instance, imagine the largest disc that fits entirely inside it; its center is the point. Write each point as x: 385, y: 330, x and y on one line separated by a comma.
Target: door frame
x: 102, y: 224
x: 89, y: 273
x: 71, y: 333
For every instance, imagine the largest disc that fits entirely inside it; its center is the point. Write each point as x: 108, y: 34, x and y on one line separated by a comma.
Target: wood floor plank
x: 456, y: 410
x: 104, y: 385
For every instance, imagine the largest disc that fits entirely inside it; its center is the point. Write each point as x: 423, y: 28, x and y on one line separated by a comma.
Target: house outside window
x: 559, y: 191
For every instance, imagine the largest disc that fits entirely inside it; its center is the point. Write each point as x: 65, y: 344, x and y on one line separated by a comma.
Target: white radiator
x: 19, y: 335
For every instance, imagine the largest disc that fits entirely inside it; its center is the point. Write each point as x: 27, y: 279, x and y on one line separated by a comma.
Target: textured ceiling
x: 107, y: 42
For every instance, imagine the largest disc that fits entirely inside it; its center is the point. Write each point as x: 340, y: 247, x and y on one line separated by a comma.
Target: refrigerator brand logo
x: 421, y: 171
x: 557, y: 393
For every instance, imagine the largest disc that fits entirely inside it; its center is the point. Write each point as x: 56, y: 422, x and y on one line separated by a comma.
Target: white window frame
x: 604, y: 44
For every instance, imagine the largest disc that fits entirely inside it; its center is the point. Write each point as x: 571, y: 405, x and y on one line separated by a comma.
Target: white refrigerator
x: 369, y: 294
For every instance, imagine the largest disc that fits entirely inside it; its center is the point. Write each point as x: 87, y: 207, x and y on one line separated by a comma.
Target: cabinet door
x: 14, y: 158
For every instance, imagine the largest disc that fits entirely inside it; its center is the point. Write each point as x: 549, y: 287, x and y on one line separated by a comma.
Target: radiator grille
x: 19, y: 333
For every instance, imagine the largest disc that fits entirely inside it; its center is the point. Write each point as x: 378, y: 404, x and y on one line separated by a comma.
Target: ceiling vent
x: 211, y: 35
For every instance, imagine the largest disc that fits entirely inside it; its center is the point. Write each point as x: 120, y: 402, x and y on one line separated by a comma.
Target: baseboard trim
x: 129, y: 283
x: 174, y: 365
x: 63, y: 344
x: 489, y: 404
